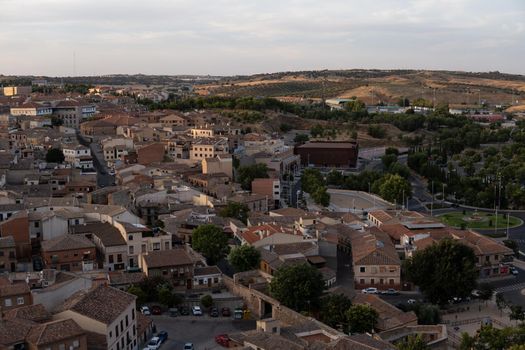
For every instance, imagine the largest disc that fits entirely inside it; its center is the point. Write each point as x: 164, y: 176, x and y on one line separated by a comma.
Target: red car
x: 226, y: 312
x: 222, y: 339
x: 156, y: 310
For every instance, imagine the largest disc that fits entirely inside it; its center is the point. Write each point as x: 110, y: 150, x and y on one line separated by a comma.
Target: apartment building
x: 32, y: 109
x: 106, y: 312
x: 69, y: 253
x: 79, y: 156
x: 208, y: 147
x: 73, y: 112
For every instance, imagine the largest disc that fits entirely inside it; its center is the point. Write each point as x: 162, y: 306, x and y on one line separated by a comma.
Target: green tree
x: 244, y: 258
x: 443, y: 271
x: 413, y: 343
x: 301, y: 138
x: 356, y: 105
x: 388, y: 160
x: 137, y: 291
x: 485, y: 291
x: 207, y: 301
x: 211, y: 241
x: 235, y: 210
x: 55, y: 155
x: 151, y: 286
x: 426, y: 313
x: 321, y: 196
x: 311, y: 180
x: 489, y: 337
x: 394, y: 188
x: 246, y: 174
x: 516, y: 313
x: 333, y: 310
x: 376, y: 131
x: 512, y: 245
x: 166, y: 297
x: 361, y: 318
x: 56, y: 121
x: 285, y: 127
x: 298, y: 286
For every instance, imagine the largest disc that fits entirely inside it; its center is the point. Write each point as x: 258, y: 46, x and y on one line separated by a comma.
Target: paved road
x: 198, y: 330
x: 103, y: 178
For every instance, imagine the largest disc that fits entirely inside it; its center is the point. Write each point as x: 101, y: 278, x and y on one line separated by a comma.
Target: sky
x: 237, y: 37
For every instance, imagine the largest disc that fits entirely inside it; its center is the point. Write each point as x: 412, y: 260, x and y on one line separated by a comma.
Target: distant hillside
x: 375, y: 86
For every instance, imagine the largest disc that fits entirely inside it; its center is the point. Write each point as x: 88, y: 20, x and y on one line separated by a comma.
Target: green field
x: 478, y: 220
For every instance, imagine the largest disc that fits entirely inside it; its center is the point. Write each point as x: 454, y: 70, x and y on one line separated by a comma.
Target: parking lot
x: 199, y: 330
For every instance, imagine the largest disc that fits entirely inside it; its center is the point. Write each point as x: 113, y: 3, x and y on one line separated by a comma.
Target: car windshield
x: 153, y: 342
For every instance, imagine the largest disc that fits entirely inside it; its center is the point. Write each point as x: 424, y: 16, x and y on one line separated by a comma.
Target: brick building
x: 328, y: 154
x: 69, y: 253
x: 152, y: 153
x: 7, y: 254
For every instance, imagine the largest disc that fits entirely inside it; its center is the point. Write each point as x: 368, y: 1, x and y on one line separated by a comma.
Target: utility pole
x: 443, y: 198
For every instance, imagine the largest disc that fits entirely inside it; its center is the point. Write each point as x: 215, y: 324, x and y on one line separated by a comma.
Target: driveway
x: 200, y: 331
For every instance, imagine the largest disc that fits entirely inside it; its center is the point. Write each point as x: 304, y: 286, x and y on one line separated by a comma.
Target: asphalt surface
x: 200, y: 331
x: 103, y: 177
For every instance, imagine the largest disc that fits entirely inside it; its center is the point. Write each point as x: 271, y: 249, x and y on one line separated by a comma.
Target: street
x: 103, y: 177
x: 200, y: 331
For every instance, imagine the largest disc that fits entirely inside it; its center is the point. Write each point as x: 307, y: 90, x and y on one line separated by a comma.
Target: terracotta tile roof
x: 52, y: 332
x: 256, y: 233
x: 67, y: 242
x: 122, y: 278
x: 395, y: 231
x: 13, y: 332
x: 34, y: 313
x: 143, y: 322
x: 166, y: 258
x: 102, y: 303
x: 482, y: 245
x: 208, y: 270
x: 389, y: 315
x: 374, y: 247
x: 14, y: 289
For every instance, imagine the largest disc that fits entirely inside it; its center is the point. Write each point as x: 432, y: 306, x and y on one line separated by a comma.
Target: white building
x: 79, y: 156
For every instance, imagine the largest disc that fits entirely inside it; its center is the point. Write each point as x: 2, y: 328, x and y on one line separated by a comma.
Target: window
x: 119, y: 257
x: 362, y: 281
x: 37, y: 224
x: 110, y: 334
x: 380, y: 281
x: 131, y: 250
x: 372, y: 281
x: 391, y: 281
x: 8, y: 302
x: 362, y: 269
x: 116, y: 330
x: 76, y: 343
x: 127, y: 322
x: 110, y: 258
x: 20, y: 301
x: 133, y: 314
x: 130, y: 237
x: 496, y: 257
x: 121, y: 326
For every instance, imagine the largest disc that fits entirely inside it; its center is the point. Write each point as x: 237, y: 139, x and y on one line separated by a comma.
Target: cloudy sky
x: 228, y: 37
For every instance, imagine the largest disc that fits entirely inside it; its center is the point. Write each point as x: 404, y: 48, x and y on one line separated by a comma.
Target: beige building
x: 375, y: 260
x: 106, y: 311
x: 219, y: 164
x: 17, y: 90
x: 208, y: 148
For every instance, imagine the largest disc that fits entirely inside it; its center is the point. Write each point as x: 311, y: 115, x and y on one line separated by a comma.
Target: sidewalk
x: 478, y: 311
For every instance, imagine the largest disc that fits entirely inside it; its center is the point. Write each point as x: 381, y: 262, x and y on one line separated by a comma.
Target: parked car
x: 156, y: 310
x: 475, y: 293
x: 145, y: 310
x: 370, y: 290
x: 196, y: 310
x: 411, y: 301
x: 188, y: 346
x: 226, y: 312
x: 223, y: 340
x: 163, y: 336
x: 514, y: 270
x: 238, y: 313
x: 184, y: 311
x: 390, y: 291
x: 174, y: 312
x: 214, y: 312
x: 154, y: 343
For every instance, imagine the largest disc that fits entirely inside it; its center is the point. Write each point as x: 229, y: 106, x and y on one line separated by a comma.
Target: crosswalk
x: 510, y: 288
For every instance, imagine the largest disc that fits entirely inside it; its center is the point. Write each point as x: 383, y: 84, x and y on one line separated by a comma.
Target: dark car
x: 390, y: 291
x: 214, y: 312
x: 156, y: 310
x: 174, y: 312
x: 184, y: 311
x: 163, y: 336
x: 225, y: 311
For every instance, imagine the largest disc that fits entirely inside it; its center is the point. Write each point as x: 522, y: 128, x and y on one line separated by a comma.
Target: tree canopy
x: 443, y: 271
x: 55, y: 155
x: 413, y: 343
x: 298, y: 286
x: 395, y: 188
x: 489, y: 337
x: 333, y: 310
x: 361, y: 318
x: 235, y: 210
x: 211, y: 241
x: 244, y: 258
x: 248, y: 173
